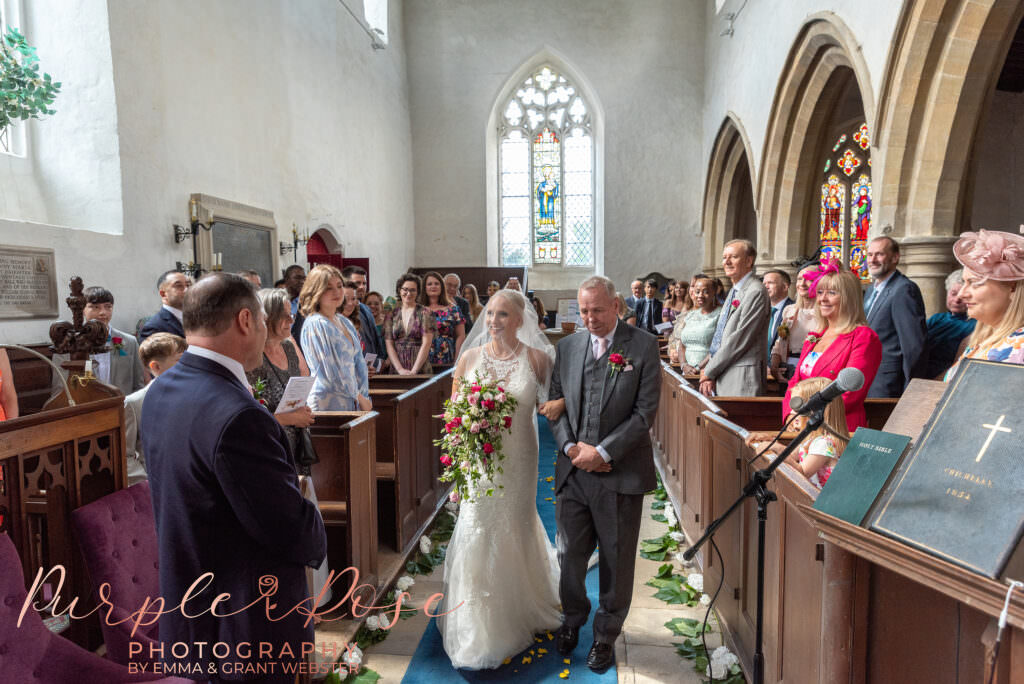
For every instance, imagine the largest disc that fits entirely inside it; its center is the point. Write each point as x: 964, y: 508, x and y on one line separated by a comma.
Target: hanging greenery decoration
x: 24, y: 94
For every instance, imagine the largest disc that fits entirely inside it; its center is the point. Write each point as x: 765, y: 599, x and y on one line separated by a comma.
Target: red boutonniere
x: 735, y: 304
x: 617, y: 363
x: 258, y: 388
x: 118, y: 344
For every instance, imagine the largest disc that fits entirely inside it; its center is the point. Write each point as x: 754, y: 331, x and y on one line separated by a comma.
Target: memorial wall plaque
x: 28, y: 282
x: 245, y: 247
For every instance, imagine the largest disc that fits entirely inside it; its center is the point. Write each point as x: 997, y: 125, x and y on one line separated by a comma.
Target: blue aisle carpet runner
x: 430, y: 664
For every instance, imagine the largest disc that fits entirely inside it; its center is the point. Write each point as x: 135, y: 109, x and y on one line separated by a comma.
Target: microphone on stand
x: 848, y: 380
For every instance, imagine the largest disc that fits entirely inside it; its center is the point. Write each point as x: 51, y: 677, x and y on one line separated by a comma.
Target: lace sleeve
x: 540, y: 365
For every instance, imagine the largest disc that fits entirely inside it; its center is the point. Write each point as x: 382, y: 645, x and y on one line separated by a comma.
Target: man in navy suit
x: 226, y: 496
x: 648, y: 309
x: 895, y: 311
x: 776, y: 284
x: 171, y: 285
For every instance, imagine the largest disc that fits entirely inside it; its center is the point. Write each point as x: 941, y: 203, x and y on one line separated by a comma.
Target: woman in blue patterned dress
x: 451, y: 326
x: 331, y: 345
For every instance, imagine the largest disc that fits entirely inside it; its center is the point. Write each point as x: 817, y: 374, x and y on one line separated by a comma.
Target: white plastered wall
x: 276, y: 104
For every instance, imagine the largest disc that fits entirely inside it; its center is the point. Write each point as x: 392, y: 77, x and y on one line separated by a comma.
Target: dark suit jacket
x: 629, y: 404
x: 463, y: 305
x: 898, y: 318
x: 642, y: 320
x: 162, y: 321
x: 226, y: 501
x: 773, y: 323
x: 368, y: 331
x: 858, y: 349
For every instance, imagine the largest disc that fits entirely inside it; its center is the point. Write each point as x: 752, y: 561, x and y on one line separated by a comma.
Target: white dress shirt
x: 101, y: 366
x: 233, y: 366
x: 177, y: 313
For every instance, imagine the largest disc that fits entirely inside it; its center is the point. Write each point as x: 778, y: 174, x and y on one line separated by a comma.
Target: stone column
x: 927, y: 260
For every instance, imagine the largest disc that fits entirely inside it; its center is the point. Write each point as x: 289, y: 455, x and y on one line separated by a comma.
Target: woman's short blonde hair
x: 985, y: 336
x: 317, y: 282
x: 851, y: 300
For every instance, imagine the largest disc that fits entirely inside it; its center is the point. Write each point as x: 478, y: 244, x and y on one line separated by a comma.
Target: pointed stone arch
x: 937, y: 88
x: 558, y: 62
x: 728, y: 210
x: 824, y: 53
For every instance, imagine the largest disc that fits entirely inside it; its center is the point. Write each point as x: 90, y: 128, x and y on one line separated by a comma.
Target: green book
x: 860, y: 473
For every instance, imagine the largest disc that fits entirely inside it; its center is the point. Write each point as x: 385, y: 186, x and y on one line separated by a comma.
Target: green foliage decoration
x: 24, y: 93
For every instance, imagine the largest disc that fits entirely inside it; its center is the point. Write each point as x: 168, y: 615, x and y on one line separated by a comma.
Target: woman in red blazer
x: 844, y: 340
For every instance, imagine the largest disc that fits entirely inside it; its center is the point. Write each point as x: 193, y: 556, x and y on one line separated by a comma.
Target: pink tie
x: 602, y: 347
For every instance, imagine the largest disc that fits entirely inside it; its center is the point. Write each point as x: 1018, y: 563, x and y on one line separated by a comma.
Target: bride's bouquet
x: 474, y: 420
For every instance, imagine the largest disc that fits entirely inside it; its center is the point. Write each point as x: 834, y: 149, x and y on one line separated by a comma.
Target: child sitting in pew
x: 158, y: 352
x: 818, y: 453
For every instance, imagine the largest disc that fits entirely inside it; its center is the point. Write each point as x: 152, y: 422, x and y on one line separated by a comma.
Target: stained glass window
x: 846, y: 200
x: 546, y: 168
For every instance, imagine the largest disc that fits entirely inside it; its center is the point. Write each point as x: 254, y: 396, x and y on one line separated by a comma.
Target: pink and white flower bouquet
x: 474, y: 420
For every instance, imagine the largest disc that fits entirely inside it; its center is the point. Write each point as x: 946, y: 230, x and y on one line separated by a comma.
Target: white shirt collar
x: 743, y: 281
x: 233, y: 366
x: 880, y: 284
x: 177, y: 312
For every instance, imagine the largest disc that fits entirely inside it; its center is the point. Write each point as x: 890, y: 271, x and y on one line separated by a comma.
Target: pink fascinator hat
x: 992, y: 254
x: 812, y: 277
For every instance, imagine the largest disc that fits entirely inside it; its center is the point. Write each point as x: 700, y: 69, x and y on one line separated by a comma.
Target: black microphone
x: 849, y: 380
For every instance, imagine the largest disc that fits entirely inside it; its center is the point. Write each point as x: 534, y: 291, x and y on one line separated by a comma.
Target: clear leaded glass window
x: 546, y: 168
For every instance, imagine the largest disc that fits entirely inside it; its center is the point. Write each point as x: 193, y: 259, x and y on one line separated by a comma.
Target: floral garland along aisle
x: 721, y: 666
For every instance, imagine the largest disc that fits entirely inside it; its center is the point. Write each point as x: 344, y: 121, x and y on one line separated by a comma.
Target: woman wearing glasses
x: 409, y: 330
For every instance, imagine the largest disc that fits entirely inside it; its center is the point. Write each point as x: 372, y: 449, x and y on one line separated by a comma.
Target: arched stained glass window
x: 546, y: 174
x: 846, y: 200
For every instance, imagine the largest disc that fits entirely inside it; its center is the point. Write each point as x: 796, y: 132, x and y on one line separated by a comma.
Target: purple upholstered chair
x: 117, y: 535
x: 31, y: 653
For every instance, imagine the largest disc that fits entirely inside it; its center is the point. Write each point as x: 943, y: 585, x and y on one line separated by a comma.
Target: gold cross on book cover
x: 959, y: 493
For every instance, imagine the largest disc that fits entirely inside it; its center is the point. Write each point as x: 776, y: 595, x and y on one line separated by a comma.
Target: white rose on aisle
x: 404, y: 582
x: 696, y: 581
x: 426, y: 546
x: 373, y: 623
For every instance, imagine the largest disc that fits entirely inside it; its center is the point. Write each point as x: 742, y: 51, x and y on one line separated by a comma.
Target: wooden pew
x: 31, y: 377
x: 51, y: 464
x: 407, y: 463
x: 403, y: 382
x: 345, y: 484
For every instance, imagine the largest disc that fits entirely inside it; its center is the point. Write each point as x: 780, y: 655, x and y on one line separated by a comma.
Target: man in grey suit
x: 736, y: 364
x: 610, y: 379
x: 895, y: 310
x: 158, y: 352
x: 120, y: 365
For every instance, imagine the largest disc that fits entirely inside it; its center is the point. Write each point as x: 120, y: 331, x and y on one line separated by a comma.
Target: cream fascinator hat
x: 992, y: 254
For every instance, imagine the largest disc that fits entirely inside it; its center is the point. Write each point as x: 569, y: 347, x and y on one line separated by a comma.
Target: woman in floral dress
x: 409, y: 330
x: 451, y: 326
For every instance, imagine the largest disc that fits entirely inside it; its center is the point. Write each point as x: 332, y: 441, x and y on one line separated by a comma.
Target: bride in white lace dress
x: 501, y: 572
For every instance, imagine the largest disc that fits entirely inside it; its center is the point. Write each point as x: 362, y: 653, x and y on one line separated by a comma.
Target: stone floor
x: 644, y: 652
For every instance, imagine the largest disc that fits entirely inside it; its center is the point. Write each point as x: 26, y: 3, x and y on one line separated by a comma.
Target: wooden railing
x: 841, y: 604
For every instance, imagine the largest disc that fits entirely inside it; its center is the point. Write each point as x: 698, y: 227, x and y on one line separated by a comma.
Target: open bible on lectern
x: 959, y: 492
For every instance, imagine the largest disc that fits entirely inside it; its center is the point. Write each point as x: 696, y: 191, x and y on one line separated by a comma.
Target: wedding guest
x: 636, y: 289
x: 895, y: 310
x: 282, y: 360
x: 452, y: 285
x: 626, y: 314
x: 648, y: 313
x: 279, y: 283
x: 8, y: 393
x: 375, y: 302
x: 677, y: 303
x: 253, y: 277
x: 736, y: 364
x: 776, y: 284
x: 993, y: 289
x: 797, y: 320
x: 692, y: 334
x: 371, y: 342
x: 542, y: 313
x: 475, y: 307
x: 119, y: 365
x: 818, y: 452
x: 492, y: 287
x: 331, y: 345
x: 946, y: 330
x: 158, y: 352
x: 294, y: 279
x: 843, y: 339
x: 513, y: 284
x: 449, y: 323
x: 409, y: 330
x: 171, y: 285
